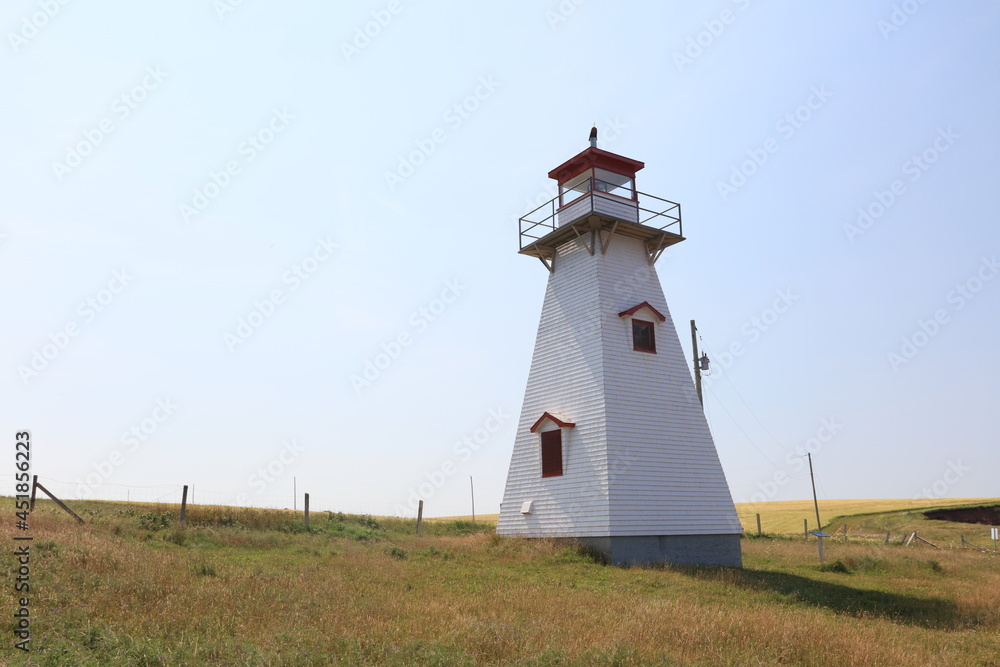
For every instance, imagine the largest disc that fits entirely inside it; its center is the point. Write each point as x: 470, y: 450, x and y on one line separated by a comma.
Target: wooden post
x: 307, y: 511
x: 887, y: 537
x: 184, y: 503
x: 34, y: 485
x: 819, y: 524
x: 697, y: 363
x: 58, y: 502
x: 910, y: 538
x: 805, y: 527
x: 420, y: 515
x: 758, y: 525
x: 845, y: 532
x: 472, y: 490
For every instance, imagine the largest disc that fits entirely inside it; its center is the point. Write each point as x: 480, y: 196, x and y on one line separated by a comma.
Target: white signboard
x: 994, y: 533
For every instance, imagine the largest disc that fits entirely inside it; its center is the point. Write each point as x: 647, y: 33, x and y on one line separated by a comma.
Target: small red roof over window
x: 559, y: 421
x: 635, y: 309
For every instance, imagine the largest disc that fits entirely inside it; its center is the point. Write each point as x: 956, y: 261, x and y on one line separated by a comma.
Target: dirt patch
x: 988, y: 515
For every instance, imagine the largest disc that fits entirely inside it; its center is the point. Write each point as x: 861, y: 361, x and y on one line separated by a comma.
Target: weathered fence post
x: 420, y: 515
x: 184, y: 503
x: 34, y: 485
x: 57, y: 501
x: 758, y: 525
x: 307, y: 511
x: 805, y: 528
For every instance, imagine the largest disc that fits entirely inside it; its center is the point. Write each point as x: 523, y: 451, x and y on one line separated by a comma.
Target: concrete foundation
x: 684, y: 550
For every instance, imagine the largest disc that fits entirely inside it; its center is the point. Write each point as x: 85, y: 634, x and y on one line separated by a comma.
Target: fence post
x: 184, y: 502
x: 34, y: 485
x: 887, y: 537
x: 420, y: 516
x: 58, y: 502
x: 307, y: 511
x: 758, y: 524
x: 805, y: 528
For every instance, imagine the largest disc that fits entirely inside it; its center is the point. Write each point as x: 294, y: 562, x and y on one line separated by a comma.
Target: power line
x: 742, y: 431
x: 766, y: 430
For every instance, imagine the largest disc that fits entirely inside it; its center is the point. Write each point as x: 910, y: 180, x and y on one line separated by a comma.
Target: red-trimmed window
x: 643, y: 336
x: 552, y: 453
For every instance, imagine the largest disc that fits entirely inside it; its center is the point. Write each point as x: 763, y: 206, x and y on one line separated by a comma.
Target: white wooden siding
x: 616, y: 207
x: 641, y: 459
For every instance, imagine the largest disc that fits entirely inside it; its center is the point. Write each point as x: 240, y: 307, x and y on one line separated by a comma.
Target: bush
x: 154, y: 521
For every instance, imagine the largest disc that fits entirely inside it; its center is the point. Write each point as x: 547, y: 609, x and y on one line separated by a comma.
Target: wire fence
x: 171, y: 494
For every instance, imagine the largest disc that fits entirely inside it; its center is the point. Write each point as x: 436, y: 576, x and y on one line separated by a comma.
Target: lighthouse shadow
x: 930, y: 613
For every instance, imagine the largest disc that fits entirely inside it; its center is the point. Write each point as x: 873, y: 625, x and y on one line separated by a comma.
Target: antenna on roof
x: 593, y: 137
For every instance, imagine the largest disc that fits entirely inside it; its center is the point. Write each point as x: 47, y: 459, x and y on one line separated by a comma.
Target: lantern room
x: 596, y: 181
x: 598, y: 199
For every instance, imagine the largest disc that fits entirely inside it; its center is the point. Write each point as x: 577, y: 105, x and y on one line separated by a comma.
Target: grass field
x: 252, y: 587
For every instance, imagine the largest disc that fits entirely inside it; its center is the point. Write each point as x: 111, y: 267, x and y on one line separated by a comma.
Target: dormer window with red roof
x: 550, y: 428
x: 643, y: 318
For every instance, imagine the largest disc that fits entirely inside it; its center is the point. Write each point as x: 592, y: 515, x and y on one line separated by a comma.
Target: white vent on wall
x: 526, y: 506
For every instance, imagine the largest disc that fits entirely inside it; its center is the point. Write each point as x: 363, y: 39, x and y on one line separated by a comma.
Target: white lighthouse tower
x: 612, y: 446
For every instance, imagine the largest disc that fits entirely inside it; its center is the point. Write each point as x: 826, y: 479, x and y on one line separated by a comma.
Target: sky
x: 267, y: 249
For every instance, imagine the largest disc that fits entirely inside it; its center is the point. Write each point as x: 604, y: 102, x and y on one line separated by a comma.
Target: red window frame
x: 639, y: 345
x: 552, y: 459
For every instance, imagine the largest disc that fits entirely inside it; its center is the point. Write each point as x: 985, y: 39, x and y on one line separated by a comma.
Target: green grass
x: 254, y: 587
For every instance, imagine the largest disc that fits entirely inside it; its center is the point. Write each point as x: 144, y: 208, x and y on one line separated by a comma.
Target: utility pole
x: 819, y: 524
x: 472, y: 490
x: 697, y: 362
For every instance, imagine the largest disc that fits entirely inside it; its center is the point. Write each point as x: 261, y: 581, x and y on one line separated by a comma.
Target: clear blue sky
x: 172, y: 169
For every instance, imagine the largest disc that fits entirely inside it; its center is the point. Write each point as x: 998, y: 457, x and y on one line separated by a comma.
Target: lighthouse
x: 612, y: 446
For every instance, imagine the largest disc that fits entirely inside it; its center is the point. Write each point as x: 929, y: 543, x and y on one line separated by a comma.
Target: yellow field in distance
x: 785, y: 516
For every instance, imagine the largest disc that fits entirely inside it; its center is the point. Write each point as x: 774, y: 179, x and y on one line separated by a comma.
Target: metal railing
x: 545, y: 219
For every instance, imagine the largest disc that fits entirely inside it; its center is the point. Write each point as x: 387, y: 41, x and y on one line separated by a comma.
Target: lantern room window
x: 552, y: 458
x: 643, y: 336
x: 596, y: 180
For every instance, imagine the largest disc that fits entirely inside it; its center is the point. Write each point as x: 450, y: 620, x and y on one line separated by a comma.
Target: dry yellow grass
x: 109, y: 593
